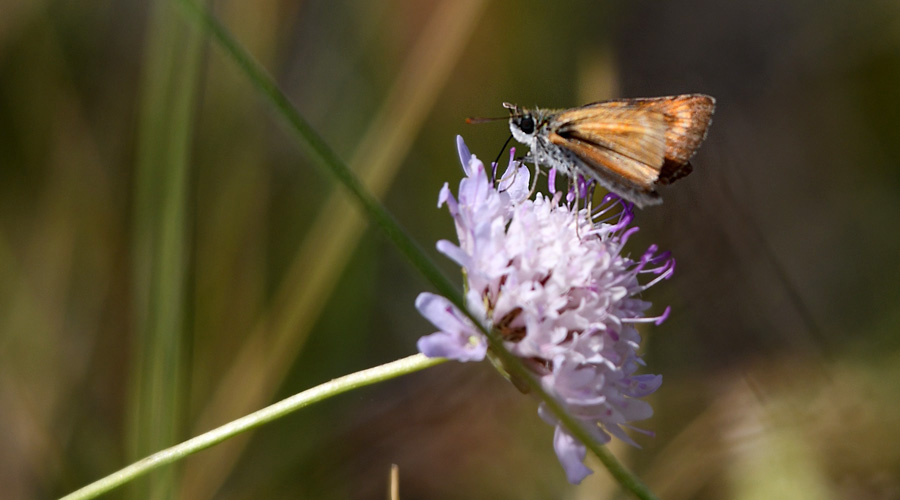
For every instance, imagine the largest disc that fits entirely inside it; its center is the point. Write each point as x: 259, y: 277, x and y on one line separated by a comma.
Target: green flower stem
x: 337, y: 386
x: 327, y: 160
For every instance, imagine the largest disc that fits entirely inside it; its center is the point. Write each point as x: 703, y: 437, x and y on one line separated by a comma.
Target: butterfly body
x: 630, y: 146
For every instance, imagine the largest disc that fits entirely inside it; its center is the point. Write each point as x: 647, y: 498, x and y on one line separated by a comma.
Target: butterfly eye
x: 526, y: 124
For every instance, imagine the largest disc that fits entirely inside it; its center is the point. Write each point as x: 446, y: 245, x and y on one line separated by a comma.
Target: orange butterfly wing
x: 640, y: 141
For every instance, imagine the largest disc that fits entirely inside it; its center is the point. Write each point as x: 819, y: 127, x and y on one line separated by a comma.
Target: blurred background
x: 171, y: 260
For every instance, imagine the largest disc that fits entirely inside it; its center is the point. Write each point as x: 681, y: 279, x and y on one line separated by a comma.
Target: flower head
x: 552, y: 281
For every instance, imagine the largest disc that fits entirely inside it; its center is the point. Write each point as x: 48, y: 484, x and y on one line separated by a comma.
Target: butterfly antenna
x: 475, y: 120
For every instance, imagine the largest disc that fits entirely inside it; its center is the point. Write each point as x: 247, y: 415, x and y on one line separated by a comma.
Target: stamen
x: 657, y: 320
x: 627, y: 234
x: 664, y: 276
x: 669, y: 263
x: 638, y: 429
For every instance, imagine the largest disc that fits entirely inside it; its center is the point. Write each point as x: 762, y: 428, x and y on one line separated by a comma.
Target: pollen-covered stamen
x: 490, y: 298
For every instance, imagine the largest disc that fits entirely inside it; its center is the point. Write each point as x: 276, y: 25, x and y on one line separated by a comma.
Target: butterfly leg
x: 511, y: 177
x: 573, y: 185
x: 537, y: 173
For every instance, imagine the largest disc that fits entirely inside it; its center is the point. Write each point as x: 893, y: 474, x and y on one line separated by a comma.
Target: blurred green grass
x: 798, y: 177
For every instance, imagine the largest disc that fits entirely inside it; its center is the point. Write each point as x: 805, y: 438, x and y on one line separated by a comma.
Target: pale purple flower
x: 555, y: 285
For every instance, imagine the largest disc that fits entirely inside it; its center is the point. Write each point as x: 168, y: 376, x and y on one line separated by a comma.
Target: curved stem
x: 337, y: 386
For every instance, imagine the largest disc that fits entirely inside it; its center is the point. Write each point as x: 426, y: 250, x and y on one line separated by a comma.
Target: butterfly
x: 630, y: 146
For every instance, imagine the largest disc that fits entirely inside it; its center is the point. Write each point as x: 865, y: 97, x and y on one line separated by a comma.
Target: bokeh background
x: 170, y: 259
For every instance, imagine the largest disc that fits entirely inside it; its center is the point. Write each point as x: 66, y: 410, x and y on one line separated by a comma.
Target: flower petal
x: 464, y: 155
x: 458, y: 339
x: 571, y: 454
x: 451, y: 346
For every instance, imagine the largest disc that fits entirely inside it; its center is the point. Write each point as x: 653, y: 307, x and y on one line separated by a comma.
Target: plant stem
x: 337, y: 386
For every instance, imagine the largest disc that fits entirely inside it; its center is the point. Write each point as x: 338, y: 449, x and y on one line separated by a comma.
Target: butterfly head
x: 522, y: 123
